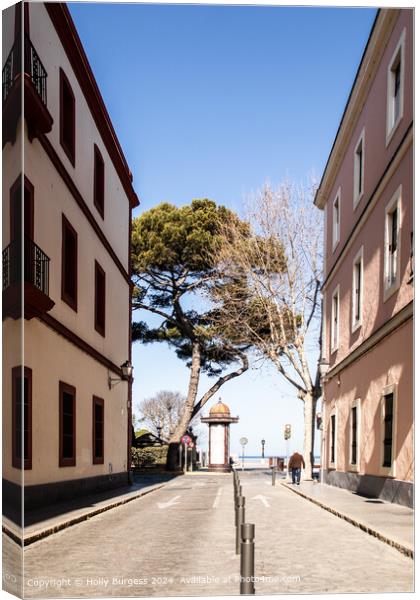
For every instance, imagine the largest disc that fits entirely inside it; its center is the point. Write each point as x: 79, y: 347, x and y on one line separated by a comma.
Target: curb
x: 366, y: 528
x: 35, y: 537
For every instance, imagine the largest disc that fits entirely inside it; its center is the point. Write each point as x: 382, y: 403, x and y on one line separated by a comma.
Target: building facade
x: 67, y: 202
x: 366, y: 193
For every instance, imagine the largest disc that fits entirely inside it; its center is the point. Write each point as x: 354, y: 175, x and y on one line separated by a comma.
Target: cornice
x: 80, y: 343
x: 368, y: 67
x: 66, y: 177
x: 66, y: 30
x: 375, y: 338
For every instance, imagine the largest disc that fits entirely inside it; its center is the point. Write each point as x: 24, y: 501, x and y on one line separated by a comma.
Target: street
x: 180, y: 540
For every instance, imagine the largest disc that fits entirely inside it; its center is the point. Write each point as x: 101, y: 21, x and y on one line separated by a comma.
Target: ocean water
x: 256, y: 458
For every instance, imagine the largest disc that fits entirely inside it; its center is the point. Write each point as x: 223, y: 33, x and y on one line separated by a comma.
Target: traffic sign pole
x: 243, y: 441
x: 186, y: 440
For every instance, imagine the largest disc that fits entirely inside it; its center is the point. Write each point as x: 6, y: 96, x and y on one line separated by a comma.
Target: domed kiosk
x: 219, y: 421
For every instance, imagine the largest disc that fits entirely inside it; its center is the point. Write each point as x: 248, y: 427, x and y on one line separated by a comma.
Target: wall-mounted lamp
x: 127, y: 371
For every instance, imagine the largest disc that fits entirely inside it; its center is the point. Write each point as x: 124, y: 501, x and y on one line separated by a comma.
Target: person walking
x: 296, y: 462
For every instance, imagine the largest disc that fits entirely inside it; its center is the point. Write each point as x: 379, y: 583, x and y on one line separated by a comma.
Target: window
x: 22, y: 417
x: 411, y: 266
x: 98, y: 181
x: 69, y: 264
x: 357, y: 295
x: 354, y: 434
x: 388, y: 441
x: 336, y: 220
x: 395, y: 88
x: 98, y: 431
x: 392, y: 245
x: 67, y: 428
x: 99, y: 299
x: 333, y: 438
x: 359, y: 169
x: 335, y: 319
x: 67, y: 118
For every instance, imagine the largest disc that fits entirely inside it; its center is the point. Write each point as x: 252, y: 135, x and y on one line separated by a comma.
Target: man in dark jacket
x: 296, y: 463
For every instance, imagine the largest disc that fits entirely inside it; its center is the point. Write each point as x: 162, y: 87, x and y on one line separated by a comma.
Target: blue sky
x: 212, y: 101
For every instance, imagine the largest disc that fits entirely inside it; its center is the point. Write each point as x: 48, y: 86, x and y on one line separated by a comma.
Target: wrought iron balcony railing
x: 35, y: 265
x: 33, y: 67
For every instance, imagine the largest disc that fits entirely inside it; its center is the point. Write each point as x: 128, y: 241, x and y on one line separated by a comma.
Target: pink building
x: 366, y: 193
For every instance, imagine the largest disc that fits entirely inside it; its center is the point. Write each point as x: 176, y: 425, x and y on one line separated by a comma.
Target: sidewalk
x: 43, y: 522
x: 391, y: 523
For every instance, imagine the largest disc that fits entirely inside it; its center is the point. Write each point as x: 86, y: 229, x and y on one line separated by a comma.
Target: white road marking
x: 217, y: 499
x: 169, y: 503
x: 263, y: 499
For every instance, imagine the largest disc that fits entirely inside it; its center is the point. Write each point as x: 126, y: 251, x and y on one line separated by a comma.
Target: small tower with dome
x: 219, y: 421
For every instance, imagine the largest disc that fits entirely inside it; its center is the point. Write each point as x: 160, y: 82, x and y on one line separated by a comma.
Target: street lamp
x: 126, y: 370
x: 262, y: 447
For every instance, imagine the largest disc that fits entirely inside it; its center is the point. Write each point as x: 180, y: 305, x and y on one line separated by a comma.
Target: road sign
x: 186, y: 439
x: 243, y: 441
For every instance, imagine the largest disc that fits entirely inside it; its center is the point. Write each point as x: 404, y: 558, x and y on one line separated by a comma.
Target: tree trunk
x: 172, y: 460
x: 308, y: 411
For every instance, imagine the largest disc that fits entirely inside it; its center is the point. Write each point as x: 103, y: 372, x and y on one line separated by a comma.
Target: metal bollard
x: 273, y: 476
x: 240, y: 519
x: 237, y: 497
x: 247, y: 559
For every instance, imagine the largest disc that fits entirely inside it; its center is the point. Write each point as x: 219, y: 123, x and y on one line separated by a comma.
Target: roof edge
x: 66, y: 29
x: 378, y: 38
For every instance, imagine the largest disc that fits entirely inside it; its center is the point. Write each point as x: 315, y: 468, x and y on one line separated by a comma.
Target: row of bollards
x: 245, y: 534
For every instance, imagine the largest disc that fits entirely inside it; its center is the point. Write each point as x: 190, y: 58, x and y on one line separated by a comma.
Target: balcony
x: 38, y: 118
x: 35, y: 266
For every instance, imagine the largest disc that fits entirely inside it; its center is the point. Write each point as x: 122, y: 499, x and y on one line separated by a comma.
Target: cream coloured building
x: 366, y: 193
x: 66, y: 400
